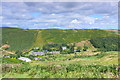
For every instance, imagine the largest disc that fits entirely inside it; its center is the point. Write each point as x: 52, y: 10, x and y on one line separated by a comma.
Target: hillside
x: 22, y: 39
x: 18, y: 39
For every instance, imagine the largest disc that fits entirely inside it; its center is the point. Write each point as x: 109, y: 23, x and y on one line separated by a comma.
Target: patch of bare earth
x: 91, y: 53
x: 78, y: 59
x: 86, y: 42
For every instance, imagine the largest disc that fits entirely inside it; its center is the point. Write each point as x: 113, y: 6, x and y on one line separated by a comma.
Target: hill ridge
x: 22, y: 39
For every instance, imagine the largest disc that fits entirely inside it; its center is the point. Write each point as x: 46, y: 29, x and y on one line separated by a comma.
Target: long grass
x: 54, y: 66
x: 66, y: 71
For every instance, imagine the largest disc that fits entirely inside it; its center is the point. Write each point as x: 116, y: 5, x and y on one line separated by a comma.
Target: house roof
x: 37, y: 53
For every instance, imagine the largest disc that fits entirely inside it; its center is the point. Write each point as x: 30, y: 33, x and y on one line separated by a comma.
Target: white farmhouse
x: 63, y: 48
x: 25, y: 59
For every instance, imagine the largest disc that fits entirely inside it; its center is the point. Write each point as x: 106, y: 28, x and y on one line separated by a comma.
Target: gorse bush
x: 67, y: 71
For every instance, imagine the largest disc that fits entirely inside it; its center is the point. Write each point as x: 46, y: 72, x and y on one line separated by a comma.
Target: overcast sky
x: 61, y: 15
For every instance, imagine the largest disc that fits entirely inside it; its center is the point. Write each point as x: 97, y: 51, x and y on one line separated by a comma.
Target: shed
x: 25, y: 59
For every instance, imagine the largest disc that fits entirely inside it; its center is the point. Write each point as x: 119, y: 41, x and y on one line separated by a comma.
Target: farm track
x: 1, y: 50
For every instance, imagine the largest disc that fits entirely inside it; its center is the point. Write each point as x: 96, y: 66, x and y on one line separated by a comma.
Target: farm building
x: 6, y: 45
x: 36, y: 47
x: 25, y: 59
x: 54, y: 52
x: 37, y: 53
x: 37, y: 58
x: 63, y: 48
x: 6, y: 56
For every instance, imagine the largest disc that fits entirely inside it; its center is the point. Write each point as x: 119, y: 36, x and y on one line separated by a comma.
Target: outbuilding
x: 25, y: 59
x: 36, y: 53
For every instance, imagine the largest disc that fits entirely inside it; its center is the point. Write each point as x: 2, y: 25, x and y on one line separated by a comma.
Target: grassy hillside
x: 39, y: 40
x: 72, y: 35
x: 18, y: 39
x: 21, y: 39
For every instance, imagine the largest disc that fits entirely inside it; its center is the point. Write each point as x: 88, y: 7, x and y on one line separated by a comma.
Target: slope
x: 18, y: 39
x: 23, y: 39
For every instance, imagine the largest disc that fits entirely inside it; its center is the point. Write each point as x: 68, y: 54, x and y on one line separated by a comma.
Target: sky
x: 60, y: 15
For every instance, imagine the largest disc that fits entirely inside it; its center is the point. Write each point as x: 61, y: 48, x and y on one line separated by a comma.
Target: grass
x: 69, y: 66
x: 23, y: 39
x: 64, y: 71
x: 12, y: 61
x: 69, y: 36
x: 85, y: 64
x: 39, y: 41
x: 18, y: 39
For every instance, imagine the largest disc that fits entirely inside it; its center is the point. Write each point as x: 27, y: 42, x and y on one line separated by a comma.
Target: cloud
x: 60, y: 14
x: 75, y: 21
x: 54, y: 27
x: 89, y: 20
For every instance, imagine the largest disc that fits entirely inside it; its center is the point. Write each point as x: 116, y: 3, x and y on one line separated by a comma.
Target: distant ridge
x: 62, y: 29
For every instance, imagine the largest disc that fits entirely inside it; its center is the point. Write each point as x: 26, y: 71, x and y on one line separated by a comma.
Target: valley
x: 57, y: 53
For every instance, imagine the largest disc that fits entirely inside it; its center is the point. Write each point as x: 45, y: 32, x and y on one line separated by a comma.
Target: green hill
x: 18, y: 39
x: 22, y: 39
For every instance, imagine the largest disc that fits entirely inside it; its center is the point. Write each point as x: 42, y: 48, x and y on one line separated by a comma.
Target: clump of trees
x: 52, y: 47
x: 16, y: 55
x: 58, y: 47
x: 85, y: 48
x: 106, y: 43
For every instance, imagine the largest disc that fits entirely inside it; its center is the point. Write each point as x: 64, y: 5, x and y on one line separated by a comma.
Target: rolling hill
x: 23, y: 39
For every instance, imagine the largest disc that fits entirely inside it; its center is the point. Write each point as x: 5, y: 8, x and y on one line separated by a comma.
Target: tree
x: 18, y: 54
x: 66, y: 51
x: 60, y: 48
x: 85, y: 48
x: 12, y: 56
x: 79, y: 49
x: 106, y: 43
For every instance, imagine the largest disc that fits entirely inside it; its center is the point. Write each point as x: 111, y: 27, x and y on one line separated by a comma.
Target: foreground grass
x: 100, y: 65
x: 64, y: 71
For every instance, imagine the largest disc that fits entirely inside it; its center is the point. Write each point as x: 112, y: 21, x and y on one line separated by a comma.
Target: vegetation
x: 102, y: 65
x: 12, y: 61
x: 106, y: 43
x: 52, y: 47
x: 67, y: 71
x: 23, y: 39
x: 81, y: 53
x: 18, y: 39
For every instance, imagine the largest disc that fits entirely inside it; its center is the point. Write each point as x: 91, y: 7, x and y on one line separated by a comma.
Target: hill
x: 18, y: 39
x: 23, y: 39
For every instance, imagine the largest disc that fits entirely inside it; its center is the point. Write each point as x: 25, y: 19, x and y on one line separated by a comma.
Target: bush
x: 85, y: 48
